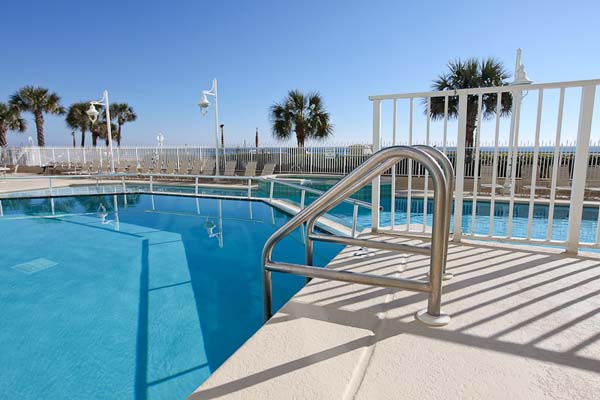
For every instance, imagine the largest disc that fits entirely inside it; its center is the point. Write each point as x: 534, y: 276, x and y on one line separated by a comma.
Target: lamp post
x: 93, y: 115
x: 160, y: 139
x: 520, y: 79
x: 204, y: 104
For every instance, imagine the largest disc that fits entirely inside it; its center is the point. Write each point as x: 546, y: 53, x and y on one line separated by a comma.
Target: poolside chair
x: 186, y: 167
x: 147, y: 166
x: 485, y: 179
x: 196, y: 167
x: 95, y: 167
x: 592, y: 181
x: 122, y: 168
x: 268, y: 169
x: 208, y: 168
x: 171, y: 168
x: 230, y: 168
x: 563, y: 180
x: 250, y: 168
x: 526, y: 173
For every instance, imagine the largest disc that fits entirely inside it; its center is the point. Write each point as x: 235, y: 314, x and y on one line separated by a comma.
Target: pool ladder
x: 442, y: 174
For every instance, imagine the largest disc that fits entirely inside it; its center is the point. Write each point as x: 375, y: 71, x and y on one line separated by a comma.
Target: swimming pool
x: 343, y: 213
x: 137, y: 300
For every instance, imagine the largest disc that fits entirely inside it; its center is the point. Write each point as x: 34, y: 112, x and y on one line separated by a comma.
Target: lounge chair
x: 268, y: 169
x: 171, y: 168
x: 208, y: 167
x: 196, y: 168
x: 485, y: 179
x: 563, y: 180
x: 145, y: 167
x: 526, y: 173
x: 592, y: 181
x: 250, y: 168
x: 186, y: 167
x: 230, y: 168
x: 122, y: 168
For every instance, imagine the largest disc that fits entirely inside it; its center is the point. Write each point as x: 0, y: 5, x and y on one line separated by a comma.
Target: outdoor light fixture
x: 160, y: 138
x: 93, y: 115
x: 204, y: 104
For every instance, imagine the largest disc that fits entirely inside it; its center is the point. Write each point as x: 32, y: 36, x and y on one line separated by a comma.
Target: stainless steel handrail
x: 448, y: 169
x: 370, y: 169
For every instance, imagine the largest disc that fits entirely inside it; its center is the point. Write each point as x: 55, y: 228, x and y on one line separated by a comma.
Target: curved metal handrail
x: 446, y: 165
x: 366, y: 172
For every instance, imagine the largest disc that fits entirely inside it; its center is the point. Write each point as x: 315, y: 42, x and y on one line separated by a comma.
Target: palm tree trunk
x: 119, y: 136
x: 83, y: 138
x: 39, y: 126
x: 300, y: 136
x: 94, y: 136
x: 2, y: 136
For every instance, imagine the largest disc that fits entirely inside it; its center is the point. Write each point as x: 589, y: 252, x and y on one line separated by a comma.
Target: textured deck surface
x: 525, y: 325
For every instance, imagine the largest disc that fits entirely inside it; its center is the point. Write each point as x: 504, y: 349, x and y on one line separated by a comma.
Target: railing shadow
x: 488, y: 303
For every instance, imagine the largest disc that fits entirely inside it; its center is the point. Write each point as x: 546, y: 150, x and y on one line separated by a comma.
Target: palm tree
x: 10, y: 120
x: 38, y: 101
x: 471, y: 73
x: 102, y: 131
x: 123, y: 113
x: 77, y: 119
x: 303, y: 115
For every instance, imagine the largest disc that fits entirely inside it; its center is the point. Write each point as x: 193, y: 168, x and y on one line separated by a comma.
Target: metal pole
x: 109, y: 132
x: 354, y: 219
x: 216, y: 128
x: 375, y: 185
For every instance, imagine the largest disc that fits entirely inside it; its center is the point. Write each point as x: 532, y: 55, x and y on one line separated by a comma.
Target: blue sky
x: 159, y: 55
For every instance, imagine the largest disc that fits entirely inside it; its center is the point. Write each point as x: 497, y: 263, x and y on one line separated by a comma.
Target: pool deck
x: 525, y: 325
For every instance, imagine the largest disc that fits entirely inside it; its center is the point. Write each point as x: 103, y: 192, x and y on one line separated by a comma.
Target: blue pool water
x: 343, y: 213
x: 144, y: 305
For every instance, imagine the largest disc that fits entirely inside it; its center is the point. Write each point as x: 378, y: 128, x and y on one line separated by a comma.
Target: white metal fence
x: 311, y: 160
x: 511, y: 192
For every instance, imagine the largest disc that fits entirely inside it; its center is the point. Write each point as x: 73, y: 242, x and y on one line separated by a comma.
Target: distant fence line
x: 307, y: 160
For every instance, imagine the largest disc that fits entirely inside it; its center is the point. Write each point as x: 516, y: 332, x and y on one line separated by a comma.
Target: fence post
x: 460, y: 166
x: 584, y: 129
x: 375, y: 184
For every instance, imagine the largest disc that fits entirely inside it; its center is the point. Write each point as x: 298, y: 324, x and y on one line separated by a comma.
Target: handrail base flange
x: 432, y: 320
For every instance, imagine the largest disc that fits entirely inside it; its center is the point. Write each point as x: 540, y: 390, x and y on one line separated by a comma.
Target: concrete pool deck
x: 525, y: 325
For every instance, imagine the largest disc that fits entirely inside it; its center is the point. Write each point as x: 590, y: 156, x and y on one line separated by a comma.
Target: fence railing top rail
x: 483, y: 90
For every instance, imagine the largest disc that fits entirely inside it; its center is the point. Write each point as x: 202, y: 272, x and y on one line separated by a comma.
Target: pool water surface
x: 132, y: 301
